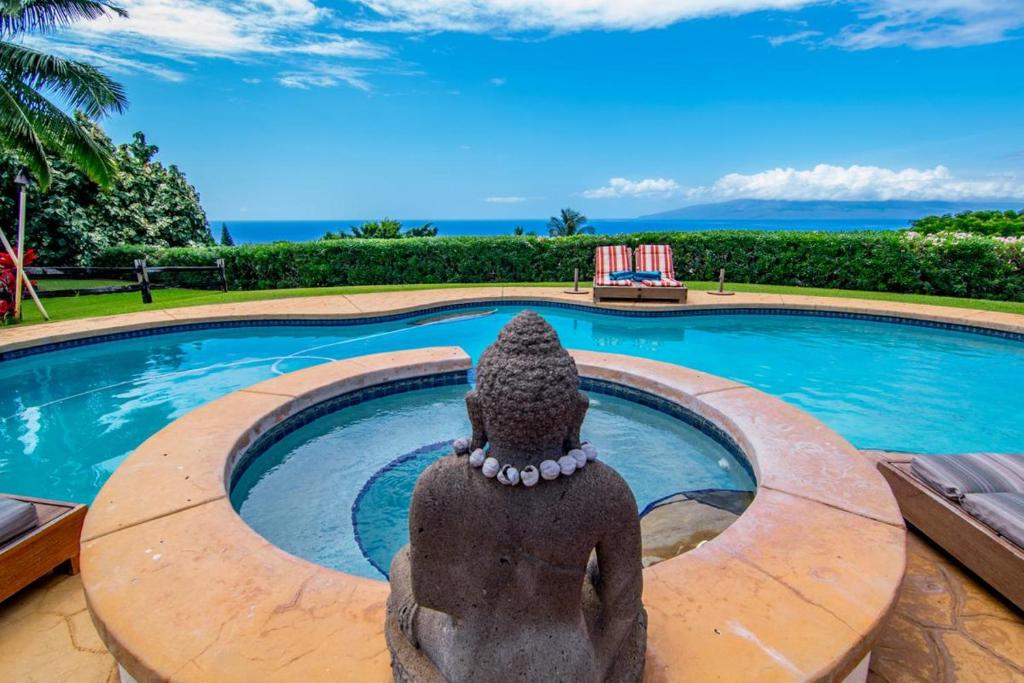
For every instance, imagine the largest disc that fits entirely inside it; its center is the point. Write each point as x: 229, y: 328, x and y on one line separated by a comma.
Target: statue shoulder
x: 615, y: 495
x: 441, y: 474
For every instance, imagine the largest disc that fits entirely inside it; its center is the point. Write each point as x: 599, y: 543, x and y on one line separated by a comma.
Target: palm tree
x: 32, y: 125
x: 569, y: 223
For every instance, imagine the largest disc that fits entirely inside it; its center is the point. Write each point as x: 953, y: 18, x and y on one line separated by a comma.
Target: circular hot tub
x: 333, y: 483
x: 181, y: 587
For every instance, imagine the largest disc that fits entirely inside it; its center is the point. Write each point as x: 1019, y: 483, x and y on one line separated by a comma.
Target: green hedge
x: 979, y: 267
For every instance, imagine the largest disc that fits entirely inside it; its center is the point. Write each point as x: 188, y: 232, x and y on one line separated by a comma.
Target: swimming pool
x: 69, y: 417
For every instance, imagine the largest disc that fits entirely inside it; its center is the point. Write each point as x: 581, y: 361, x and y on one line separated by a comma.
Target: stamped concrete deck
x: 947, y: 626
x: 360, y: 305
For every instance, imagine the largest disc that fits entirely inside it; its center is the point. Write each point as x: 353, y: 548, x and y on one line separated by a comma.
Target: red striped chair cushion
x: 656, y: 257
x: 611, y: 259
x: 606, y: 281
x: 663, y: 282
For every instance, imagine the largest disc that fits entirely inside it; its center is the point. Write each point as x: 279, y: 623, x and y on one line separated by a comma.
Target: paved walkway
x: 356, y: 305
x: 947, y: 627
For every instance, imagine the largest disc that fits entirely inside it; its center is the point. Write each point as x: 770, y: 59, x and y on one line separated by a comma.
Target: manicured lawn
x: 54, y: 285
x: 980, y: 304
x: 111, y: 304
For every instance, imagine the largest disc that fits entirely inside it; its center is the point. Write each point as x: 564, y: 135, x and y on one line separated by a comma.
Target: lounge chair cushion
x: 656, y: 257
x: 608, y: 260
x: 16, y: 517
x: 663, y: 282
x: 607, y: 281
x: 955, y: 476
x: 1004, y: 512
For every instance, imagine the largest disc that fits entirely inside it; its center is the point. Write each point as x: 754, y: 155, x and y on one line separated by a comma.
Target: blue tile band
x: 347, y: 322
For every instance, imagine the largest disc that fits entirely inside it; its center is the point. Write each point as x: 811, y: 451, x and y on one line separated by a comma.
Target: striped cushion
x: 955, y: 476
x: 656, y: 257
x: 609, y: 260
x: 1004, y: 512
x: 663, y: 282
x: 16, y: 517
x: 606, y: 281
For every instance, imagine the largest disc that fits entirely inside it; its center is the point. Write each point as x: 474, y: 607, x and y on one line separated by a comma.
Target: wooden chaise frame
x: 640, y: 293
x: 35, y: 553
x: 997, y: 561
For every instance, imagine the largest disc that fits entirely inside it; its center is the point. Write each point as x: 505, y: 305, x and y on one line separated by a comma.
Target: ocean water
x: 256, y: 232
x: 68, y: 418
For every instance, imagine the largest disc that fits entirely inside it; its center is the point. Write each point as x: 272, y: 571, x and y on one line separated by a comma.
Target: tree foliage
x: 1003, y: 223
x: 226, y: 240
x: 72, y: 221
x: 569, y: 223
x: 386, y: 229
x: 35, y: 127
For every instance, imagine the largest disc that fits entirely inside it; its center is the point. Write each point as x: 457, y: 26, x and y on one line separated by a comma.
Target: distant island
x: 769, y: 209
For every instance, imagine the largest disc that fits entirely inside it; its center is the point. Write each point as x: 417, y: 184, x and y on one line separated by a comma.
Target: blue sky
x: 309, y: 109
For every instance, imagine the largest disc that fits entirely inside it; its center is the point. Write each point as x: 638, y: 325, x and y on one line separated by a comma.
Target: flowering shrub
x: 1005, y: 223
x: 8, y: 281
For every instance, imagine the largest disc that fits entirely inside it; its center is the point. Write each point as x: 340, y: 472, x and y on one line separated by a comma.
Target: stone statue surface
x: 524, y: 562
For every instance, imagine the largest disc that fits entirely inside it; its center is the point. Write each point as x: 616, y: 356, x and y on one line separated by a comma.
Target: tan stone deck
x: 946, y: 627
x: 359, y: 305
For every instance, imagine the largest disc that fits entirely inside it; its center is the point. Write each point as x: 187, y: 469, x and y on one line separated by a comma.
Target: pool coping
x: 180, y: 588
x: 17, y: 342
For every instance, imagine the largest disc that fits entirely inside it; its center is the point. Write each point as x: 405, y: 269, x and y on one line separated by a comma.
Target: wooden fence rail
x: 139, y: 270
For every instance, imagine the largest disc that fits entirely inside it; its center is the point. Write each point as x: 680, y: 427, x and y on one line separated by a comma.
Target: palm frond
x: 80, y: 86
x: 18, y: 134
x: 20, y: 16
x: 61, y: 133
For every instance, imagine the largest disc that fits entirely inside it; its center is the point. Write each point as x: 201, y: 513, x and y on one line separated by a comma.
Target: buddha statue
x: 524, y: 561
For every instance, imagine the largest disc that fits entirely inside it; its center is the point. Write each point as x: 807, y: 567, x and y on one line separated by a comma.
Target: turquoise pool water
x: 68, y: 418
x: 337, y: 491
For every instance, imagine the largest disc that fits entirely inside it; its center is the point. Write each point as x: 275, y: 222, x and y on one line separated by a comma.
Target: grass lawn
x: 130, y: 302
x: 54, y: 285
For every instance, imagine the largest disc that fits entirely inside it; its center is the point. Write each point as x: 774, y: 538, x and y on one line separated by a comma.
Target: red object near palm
x: 8, y: 280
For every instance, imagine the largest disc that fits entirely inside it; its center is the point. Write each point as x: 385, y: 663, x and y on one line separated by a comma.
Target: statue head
x: 528, y: 389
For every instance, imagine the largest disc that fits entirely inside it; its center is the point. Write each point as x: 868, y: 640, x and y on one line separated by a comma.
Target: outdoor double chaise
x: 653, y: 278
x: 36, y: 537
x: 972, y: 505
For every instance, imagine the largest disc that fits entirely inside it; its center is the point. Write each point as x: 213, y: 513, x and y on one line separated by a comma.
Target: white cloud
x: 498, y: 82
x: 825, y: 182
x: 325, y: 77
x: 798, y: 37
x: 505, y: 200
x: 252, y: 81
x: 180, y: 31
x: 925, y: 24
x: 104, y: 58
x: 552, y: 15
x: 879, y: 23
x: 622, y: 187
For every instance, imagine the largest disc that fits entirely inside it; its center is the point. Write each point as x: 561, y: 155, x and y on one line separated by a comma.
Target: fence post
x: 142, y: 275
x: 223, y: 276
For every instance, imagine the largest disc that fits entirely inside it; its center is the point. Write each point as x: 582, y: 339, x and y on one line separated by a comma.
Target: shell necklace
x: 548, y: 470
